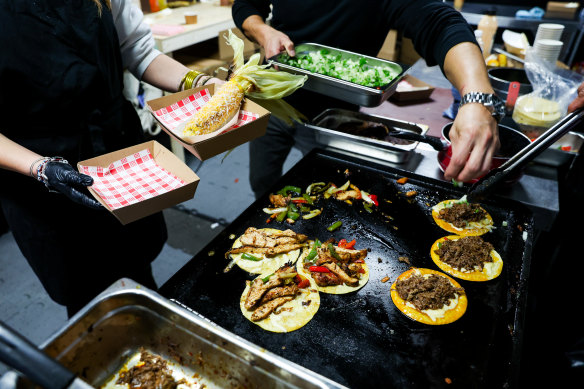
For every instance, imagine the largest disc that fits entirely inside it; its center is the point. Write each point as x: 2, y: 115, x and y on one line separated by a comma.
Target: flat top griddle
x: 361, y: 339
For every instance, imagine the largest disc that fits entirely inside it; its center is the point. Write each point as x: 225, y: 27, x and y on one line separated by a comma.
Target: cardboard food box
x: 207, y: 146
x: 162, y: 160
x: 410, y: 88
x: 561, y: 10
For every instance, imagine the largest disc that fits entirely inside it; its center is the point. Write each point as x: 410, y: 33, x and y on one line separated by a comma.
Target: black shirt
x: 360, y: 26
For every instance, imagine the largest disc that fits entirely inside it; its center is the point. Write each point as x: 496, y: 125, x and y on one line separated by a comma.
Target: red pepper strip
x: 301, y: 281
x: 319, y: 269
x: 358, y: 261
x: 566, y: 148
x: 343, y: 243
x: 361, y: 270
x: 272, y: 217
x: 300, y: 201
x: 351, y: 245
x: 374, y: 198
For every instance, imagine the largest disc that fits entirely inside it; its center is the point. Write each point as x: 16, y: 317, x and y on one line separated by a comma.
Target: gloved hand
x: 61, y: 177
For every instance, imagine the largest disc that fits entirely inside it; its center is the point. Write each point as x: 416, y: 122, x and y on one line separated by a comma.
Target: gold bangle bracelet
x: 187, y: 80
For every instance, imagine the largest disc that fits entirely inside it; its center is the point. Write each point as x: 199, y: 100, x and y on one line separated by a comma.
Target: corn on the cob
x: 218, y: 111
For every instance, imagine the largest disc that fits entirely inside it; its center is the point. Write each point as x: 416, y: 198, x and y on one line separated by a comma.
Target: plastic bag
x: 553, y: 90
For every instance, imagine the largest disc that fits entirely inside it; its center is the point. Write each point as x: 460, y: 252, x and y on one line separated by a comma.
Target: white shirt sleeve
x: 136, y: 42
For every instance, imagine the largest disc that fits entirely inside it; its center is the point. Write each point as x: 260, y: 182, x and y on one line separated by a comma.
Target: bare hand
x: 475, y: 139
x: 578, y: 102
x: 275, y: 42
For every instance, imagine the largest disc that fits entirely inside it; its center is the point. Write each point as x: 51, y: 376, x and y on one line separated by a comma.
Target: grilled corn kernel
x: 218, y: 111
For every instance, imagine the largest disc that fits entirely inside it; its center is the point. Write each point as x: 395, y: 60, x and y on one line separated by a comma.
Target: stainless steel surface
x: 325, y: 135
x: 99, y: 339
x: 555, y: 156
x: 341, y: 89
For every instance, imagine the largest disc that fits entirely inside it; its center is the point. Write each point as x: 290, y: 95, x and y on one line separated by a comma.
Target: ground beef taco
x: 467, y: 257
x: 429, y: 296
x: 462, y: 218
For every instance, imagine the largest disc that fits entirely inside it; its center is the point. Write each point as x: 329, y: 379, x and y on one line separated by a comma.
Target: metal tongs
x: 480, y: 189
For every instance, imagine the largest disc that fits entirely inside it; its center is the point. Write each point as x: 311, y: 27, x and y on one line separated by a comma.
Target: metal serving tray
x: 390, y: 149
x: 361, y: 339
x: 98, y: 340
x: 341, y: 89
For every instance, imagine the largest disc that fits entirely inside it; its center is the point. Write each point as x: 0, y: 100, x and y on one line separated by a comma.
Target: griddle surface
x: 361, y: 339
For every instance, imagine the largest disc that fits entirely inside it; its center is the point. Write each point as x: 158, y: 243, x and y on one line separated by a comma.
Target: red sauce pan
x: 512, y: 141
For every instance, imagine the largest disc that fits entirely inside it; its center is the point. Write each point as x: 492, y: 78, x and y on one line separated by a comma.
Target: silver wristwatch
x: 489, y: 100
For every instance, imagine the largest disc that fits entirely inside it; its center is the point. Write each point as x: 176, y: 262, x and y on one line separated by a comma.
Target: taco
x: 462, y: 218
x: 264, y: 250
x: 467, y: 257
x: 335, y: 269
x: 282, y: 301
x: 429, y: 296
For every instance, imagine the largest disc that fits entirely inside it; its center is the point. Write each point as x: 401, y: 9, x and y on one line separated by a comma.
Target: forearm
x: 16, y: 158
x: 465, y: 68
x: 165, y: 73
x: 256, y: 29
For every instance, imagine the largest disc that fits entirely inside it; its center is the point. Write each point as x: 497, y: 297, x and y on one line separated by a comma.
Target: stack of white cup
x: 547, y: 44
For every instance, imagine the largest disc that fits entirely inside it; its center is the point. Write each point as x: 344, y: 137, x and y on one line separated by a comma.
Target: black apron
x: 61, y: 83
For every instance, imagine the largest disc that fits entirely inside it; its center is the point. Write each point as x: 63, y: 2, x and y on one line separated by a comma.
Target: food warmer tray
x: 127, y: 317
x: 327, y: 134
x: 361, y: 339
x: 341, y: 89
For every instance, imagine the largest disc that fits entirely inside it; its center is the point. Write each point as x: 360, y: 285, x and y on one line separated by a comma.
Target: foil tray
x: 98, y: 341
x: 390, y: 149
x: 341, y: 89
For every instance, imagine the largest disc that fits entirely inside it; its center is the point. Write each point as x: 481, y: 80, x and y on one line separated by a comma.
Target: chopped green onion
x: 312, y: 214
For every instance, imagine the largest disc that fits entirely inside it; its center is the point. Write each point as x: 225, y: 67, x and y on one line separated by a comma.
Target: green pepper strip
x: 307, y: 198
x: 289, y: 188
x: 312, y: 254
x: 293, y: 215
x: 267, y: 278
x: 281, y: 216
x: 333, y: 252
x: 334, y: 226
x: 250, y: 257
x: 368, y: 207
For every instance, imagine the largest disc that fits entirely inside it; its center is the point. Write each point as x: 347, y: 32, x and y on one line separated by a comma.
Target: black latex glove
x: 61, y: 177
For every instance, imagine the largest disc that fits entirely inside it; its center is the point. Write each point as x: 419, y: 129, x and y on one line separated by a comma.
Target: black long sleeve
x: 361, y: 26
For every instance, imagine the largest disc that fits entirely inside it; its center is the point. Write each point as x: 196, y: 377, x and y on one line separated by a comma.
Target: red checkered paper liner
x: 173, y: 115
x: 132, y: 179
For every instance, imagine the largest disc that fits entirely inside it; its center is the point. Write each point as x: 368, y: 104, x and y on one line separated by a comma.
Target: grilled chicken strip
x: 346, y: 195
x: 258, y: 288
x: 264, y: 310
x: 267, y: 251
x: 345, y: 255
x: 280, y: 291
x: 333, y: 267
x: 326, y: 279
x: 279, y: 201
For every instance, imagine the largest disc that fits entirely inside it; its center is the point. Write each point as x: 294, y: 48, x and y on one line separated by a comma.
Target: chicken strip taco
x: 462, y: 218
x: 336, y: 269
x: 282, y: 301
x: 467, y: 257
x: 429, y: 296
x: 264, y: 250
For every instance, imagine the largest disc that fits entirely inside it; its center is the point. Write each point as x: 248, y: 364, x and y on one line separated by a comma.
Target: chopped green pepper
x: 293, y: 215
x: 368, y: 207
x: 334, y: 226
x: 281, y: 216
x: 312, y: 254
x: 267, y: 278
x: 333, y: 252
x: 289, y: 188
x: 307, y: 198
x: 250, y: 257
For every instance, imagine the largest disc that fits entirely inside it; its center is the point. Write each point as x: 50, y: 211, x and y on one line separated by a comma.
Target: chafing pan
x: 327, y: 133
x: 340, y: 89
x: 97, y: 342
